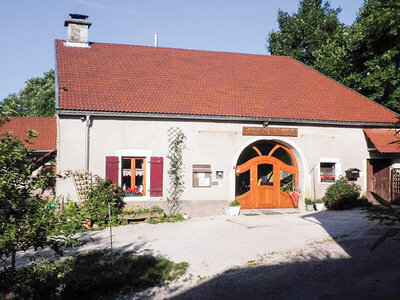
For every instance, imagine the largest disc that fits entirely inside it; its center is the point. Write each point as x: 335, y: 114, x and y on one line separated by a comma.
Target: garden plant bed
x: 140, y: 216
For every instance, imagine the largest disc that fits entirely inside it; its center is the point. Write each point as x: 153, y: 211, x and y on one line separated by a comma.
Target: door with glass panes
x: 266, y: 173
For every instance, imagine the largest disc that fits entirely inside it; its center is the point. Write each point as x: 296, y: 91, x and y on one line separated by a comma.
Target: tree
x: 36, y: 99
x: 374, y: 53
x: 25, y: 217
x: 304, y: 32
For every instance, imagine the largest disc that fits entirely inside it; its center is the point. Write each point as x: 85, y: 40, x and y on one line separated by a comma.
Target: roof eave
x: 145, y: 115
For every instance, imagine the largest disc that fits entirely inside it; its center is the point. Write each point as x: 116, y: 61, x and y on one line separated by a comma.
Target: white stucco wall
x: 215, y: 143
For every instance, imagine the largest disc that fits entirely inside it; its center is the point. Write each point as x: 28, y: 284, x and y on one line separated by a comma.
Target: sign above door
x: 270, y: 131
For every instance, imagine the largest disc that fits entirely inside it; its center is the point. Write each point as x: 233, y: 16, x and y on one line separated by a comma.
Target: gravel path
x: 270, y: 255
x: 214, y: 245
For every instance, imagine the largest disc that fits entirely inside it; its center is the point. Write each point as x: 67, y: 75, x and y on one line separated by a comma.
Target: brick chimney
x: 78, y: 27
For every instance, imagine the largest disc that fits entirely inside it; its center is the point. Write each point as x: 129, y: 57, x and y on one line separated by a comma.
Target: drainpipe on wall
x: 313, y: 177
x: 87, y: 143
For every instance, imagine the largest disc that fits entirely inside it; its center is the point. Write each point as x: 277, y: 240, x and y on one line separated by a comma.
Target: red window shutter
x: 112, y: 168
x: 156, y: 176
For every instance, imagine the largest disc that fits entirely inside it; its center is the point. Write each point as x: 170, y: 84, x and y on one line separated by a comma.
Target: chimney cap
x: 77, y: 19
x: 78, y: 16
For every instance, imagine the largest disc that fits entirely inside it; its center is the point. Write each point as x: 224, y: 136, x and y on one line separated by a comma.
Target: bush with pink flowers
x: 343, y: 194
x: 102, y: 193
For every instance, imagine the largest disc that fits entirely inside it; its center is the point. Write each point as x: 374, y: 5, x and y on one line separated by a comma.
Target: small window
x: 242, y: 183
x: 134, y: 176
x: 287, y: 182
x: 282, y: 155
x: 265, y: 174
x: 327, y: 172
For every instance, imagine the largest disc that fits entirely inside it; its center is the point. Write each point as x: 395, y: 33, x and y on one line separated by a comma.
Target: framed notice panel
x: 201, y: 175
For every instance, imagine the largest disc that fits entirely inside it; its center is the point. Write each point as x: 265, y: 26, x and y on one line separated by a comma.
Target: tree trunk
x: 13, y: 260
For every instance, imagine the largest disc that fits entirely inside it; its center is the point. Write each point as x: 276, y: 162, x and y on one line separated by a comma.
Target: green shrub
x: 68, y: 221
x: 342, y: 194
x: 319, y: 201
x: 167, y: 219
x: 102, y: 193
x: 92, y: 275
x: 132, y: 211
x: 308, y: 201
x: 234, y: 203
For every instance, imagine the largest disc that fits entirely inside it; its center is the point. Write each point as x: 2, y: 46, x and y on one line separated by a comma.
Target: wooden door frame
x: 278, y: 165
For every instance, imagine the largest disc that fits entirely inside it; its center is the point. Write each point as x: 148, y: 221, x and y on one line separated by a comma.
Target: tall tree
x: 304, y: 32
x: 364, y: 56
x: 374, y: 52
x: 36, y: 99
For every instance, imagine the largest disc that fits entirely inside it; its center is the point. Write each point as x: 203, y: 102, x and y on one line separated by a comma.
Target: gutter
x: 219, y: 118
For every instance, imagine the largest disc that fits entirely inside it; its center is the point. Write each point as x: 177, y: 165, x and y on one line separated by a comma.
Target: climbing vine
x: 176, y: 145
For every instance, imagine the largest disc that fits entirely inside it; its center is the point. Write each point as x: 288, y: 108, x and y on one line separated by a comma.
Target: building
x: 44, y: 145
x: 256, y: 126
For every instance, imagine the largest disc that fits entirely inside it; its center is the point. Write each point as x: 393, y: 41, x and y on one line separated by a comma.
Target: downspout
x: 313, y: 177
x: 87, y: 143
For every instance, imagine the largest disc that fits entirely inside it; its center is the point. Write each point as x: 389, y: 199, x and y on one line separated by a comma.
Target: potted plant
x: 233, y: 208
x: 309, y: 204
x: 319, y: 204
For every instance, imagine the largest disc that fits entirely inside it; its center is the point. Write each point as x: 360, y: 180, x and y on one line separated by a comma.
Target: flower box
x: 328, y: 178
x: 132, y: 195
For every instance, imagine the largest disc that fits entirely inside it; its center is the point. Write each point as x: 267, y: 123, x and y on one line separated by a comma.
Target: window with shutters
x: 137, y: 172
x: 134, y: 175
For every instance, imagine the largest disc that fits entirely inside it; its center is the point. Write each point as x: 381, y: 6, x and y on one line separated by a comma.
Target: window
x: 138, y: 171
x: 287, y: 182
x: 327, y: 171
x: 134, y: 175
x: 242, y: 183
x: 265, y: 174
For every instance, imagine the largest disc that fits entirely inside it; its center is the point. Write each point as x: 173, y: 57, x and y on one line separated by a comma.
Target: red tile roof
x: 384, y: 140
x: 46, y: 129
x: 126, y: 78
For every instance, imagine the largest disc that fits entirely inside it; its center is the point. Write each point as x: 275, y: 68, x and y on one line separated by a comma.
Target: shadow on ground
x: 315, y: 274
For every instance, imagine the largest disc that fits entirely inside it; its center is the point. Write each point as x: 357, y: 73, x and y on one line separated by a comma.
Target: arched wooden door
x: 265, y: 174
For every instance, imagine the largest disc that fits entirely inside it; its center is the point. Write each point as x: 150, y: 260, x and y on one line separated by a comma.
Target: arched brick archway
x: 266, y: 172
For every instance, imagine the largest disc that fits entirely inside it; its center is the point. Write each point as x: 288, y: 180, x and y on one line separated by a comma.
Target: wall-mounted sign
x: 270, y: 131
x: 201, y: 175
x: 219, y: 174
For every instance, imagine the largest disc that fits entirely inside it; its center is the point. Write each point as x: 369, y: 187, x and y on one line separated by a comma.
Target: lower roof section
x: 384, y: 140
x: 45, y: 127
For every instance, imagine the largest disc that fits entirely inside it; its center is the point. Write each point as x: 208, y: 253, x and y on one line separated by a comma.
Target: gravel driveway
x: 268, y: 255
x: 214, y: 245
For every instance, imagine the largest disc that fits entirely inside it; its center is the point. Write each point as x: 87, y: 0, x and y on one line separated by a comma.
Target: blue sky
x: 29, y: 28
